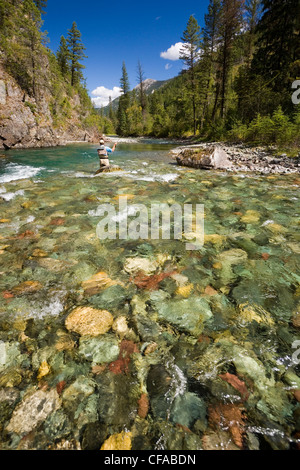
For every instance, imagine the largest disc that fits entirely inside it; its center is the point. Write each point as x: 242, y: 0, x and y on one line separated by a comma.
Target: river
x: 141, y: 343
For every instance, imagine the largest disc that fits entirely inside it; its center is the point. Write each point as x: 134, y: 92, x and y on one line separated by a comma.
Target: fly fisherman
x: 103, y: 152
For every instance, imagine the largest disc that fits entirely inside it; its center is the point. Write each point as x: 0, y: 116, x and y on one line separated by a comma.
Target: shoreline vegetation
x: 238, y: 82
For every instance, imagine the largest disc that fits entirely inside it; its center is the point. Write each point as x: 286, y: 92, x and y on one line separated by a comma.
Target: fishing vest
x: 102, y: 152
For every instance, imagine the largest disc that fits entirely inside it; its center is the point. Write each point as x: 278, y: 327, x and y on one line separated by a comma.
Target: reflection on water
x: 197, y: 349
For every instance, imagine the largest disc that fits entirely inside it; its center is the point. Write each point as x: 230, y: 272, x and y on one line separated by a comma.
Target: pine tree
x: 230, y: 26
x: 41, y: 5
x: 63, y: 57
x: 76, y: 49
x: 124, y: 103
x: 279, y: 40
x: 253, y: 10
x: 211, y: 40
x: 124, y: 81
x: 142, y: 94
x: 211, y: 30
x: 30, y: 41
x: 190, y: 54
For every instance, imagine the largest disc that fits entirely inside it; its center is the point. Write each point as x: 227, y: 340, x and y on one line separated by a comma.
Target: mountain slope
x: 150, y: 86
x: 38, y: 104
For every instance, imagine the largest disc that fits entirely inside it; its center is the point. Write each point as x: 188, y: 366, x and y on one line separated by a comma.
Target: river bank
x: 240, y: 158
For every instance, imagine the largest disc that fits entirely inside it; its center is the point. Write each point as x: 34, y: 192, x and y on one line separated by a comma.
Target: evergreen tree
x: 124, y: 81
x: 253, y: 9
x: 76, y: 49
x: 30, y: 48
x: 278, y: 43
x: 124, y: 103
x: 63, y: 57
x: 211, y: 40
x: 142, y: 93
x: 230, y: 26
x: 41, y: 5
x: 190, y: 54
x: 211, y: 30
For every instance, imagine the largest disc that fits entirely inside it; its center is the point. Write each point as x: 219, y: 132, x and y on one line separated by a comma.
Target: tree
x: 142, y: 94
x: 190, y: 54
x: 124, y: 81
x: 124, y: 103
x: 253, y: 10
x: 230, y: 26
x: 211, y: 40
x: 30, y: 41
x: 63, y: 57
x: 278, y: 42
x: 41, y: 5
x: 76, y: 49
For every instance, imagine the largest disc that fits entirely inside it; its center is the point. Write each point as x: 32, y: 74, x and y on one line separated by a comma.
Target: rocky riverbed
x: 117, y: 344
x: 236, y: 158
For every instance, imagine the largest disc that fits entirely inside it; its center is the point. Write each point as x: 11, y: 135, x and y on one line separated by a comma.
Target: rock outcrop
x: 26, y: 123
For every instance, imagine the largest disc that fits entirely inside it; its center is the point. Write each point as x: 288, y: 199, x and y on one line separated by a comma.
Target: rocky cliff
x: 25, y: 123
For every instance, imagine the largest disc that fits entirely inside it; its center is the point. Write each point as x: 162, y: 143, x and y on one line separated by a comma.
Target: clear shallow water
x: 208, y: 356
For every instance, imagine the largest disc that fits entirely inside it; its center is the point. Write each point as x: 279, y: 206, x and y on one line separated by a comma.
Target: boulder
x: 213, y: 158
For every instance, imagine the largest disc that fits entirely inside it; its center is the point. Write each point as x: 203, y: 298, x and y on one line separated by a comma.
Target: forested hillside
x: 238, y: 79
x: 43, y: 99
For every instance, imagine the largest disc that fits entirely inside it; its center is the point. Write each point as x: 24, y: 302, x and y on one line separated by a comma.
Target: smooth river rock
x: 33, y: 410
x: 89, y: 321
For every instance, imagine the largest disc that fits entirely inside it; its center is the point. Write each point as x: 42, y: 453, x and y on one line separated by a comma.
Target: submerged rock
x: 26, y: 287
x: 187, y: 409
x: 97, y: 283
x: 120, y: 441
x: 100, y: 350
x: 33, y: 410
x: 135, y: 265
x: 296, y: 317
x: 249, y: 313
x: 233, y: 257
x: 89, y: 321
x: 187, y: 314
x: 112, y: 298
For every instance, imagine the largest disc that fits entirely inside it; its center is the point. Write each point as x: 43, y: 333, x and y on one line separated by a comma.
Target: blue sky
x: 116, y: 31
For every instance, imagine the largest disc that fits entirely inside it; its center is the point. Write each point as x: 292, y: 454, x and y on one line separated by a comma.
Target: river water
x: 197, y: 349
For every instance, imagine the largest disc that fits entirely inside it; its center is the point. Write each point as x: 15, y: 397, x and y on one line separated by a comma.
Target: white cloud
x: 103, y: 94
x: 173, y: 52
x: 168, y: 66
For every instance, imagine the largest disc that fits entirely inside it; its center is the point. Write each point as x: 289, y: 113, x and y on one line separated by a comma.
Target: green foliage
x: 22, y: 43
x: 277, y: 128
x: 278, y: 41
x: 190, y: 54
x: 31, y: 106
x: 42, y: 75
x: 76, y: 54
x: 63, y: 57
x: 239, y: 88
x: 41, y: 5
x: 124, y: 123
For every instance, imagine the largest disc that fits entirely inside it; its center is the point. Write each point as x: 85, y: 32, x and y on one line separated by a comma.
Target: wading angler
x: 162, y: 221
